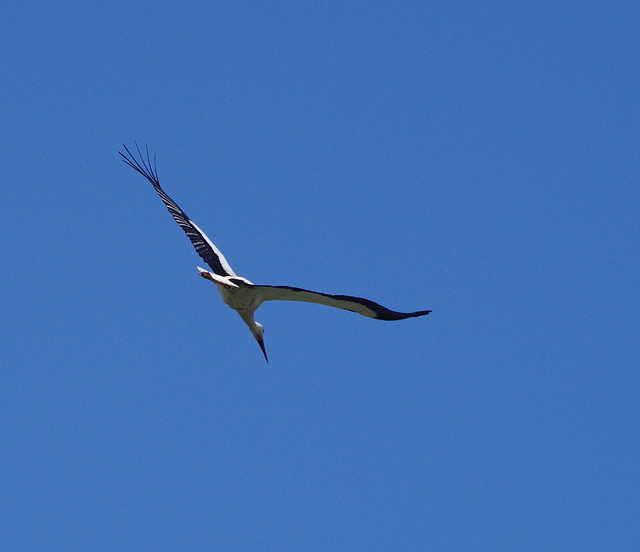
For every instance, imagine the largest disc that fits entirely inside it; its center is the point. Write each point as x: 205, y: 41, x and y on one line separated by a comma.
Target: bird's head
x: 258, y: 333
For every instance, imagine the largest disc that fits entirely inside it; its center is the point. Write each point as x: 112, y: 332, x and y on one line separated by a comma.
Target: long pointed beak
x: 261, y: 343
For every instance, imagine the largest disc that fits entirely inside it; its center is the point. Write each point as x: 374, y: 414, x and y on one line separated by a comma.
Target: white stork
x: 238, y: 292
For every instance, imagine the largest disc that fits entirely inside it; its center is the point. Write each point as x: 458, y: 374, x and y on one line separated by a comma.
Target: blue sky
x: 475, y: 158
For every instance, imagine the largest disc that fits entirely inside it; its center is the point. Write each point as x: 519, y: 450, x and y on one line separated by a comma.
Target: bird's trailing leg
x: 206, y: 275
x: 218, y: 280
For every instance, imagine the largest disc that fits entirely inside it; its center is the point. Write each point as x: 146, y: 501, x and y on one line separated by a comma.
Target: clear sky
x: 480, y: 159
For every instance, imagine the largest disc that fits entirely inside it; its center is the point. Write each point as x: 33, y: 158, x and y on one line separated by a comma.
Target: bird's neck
x: 247, y: 317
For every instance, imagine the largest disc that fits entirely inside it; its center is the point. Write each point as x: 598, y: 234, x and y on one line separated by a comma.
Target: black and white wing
x: 203, y: 245
x: 362, y: 306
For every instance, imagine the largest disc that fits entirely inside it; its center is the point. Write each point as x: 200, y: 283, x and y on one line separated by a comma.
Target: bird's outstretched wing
x: 346, y: 302
x: 204, y: 247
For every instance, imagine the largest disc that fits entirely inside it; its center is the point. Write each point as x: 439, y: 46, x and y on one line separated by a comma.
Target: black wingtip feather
x: 146, y: 168
x: 392, y: 315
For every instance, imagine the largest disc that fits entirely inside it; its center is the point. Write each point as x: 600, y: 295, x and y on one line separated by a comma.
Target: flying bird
x: 239, y: 293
